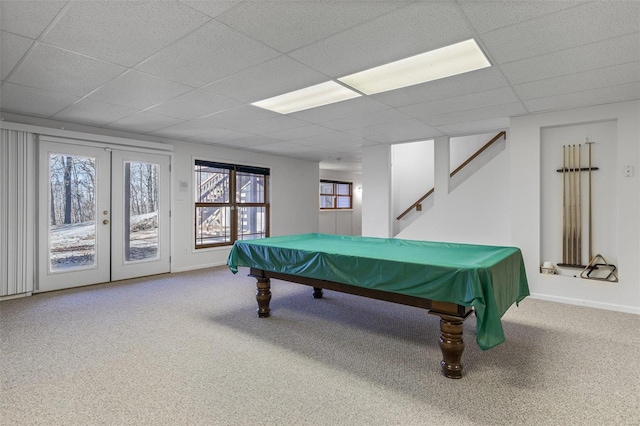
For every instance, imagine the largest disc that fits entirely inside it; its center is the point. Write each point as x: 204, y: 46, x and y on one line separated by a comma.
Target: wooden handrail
x: 414, y: 205
x: 478, y: 152
x: 463, y: 165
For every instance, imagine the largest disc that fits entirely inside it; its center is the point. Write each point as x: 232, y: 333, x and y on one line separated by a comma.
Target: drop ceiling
x: 189, y: 70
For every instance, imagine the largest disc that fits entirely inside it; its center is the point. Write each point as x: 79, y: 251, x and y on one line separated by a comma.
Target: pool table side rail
x: 434, y: 306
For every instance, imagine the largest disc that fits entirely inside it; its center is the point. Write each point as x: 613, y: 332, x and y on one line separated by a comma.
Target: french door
x: 103, y: 215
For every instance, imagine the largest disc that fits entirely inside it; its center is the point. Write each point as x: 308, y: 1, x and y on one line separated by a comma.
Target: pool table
x: 450, y: 280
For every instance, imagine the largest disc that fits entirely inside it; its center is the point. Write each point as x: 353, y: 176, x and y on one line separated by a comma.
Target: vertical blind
x: 17, y: 212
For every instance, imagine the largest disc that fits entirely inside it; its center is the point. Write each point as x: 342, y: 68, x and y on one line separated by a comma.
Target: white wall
x: 293, y: 189
x: 463, y: 147
x: 476, y: 212
x: 343, y: 222
x: 526, y: 195
x: 604, y: 190
x: 412, y: 177
x: 293, y: 185
x: 376, y: 191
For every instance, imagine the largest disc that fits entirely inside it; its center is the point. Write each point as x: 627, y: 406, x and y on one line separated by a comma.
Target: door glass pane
x: 72, y: 217
x: 212, y: 225
x: 140, y: 211
x: 251, y: 223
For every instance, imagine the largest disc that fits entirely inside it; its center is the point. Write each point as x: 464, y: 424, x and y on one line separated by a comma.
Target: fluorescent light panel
x: 309, y: 97
x: 440, y: 63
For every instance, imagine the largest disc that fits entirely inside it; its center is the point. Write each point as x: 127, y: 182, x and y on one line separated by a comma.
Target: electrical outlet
x: 628, y: 171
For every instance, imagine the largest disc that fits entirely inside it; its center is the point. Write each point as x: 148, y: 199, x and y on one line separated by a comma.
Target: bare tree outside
x: 73, y: 211
x: 72, y: 224
x: 141, y: 203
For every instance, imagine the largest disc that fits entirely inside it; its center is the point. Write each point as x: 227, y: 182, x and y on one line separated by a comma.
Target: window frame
x: 233, y: 204
x: 335, y: 194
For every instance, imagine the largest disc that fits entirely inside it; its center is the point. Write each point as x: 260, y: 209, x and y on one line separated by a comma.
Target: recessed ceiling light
x: 309, y: 97
x: 433, y: 65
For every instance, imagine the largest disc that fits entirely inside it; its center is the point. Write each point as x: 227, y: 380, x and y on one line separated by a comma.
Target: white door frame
x: 120, y: 267
x: 108, y: 266
x: 49, y: 279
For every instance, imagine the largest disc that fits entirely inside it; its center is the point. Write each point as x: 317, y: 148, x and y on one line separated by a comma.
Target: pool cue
x: 569, y: 246
x: 576, y: 212
x: 574, y: 224
x: 564, y: 205
x: 579, y: 254
x: 590, y: 218
x: 579, y: 209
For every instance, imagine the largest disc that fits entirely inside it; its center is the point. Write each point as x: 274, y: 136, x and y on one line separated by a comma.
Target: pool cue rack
x: 572, y: 206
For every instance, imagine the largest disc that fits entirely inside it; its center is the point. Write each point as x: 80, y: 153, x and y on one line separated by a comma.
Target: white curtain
x: 17, y: 212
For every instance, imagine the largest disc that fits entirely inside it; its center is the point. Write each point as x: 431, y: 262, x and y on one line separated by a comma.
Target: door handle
x: 106, y: 222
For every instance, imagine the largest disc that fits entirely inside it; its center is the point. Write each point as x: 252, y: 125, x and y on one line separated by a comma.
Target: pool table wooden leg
x: 451, y: 345
x: 263, y: 296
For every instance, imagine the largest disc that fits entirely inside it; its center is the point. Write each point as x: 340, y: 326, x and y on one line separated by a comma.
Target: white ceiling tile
x: 348, y: 108
x: 28, y: 18
x: 475, y: 127
x: 604, y: 54
x: 425, y: 111
x: 400, y: 131
x: 490, y: 15
x: 251, y: 142
x: 588, y: 23
x: 211, y: 8
x: 27, y: 100
x: 62, y: 71
x: 334, y: 140
x: 137, y: 90
x: 624, y: 92
x: 87, y: 111
x: 285, y: 148
x: 300, y: 132
x: 417, y: 28
x: 286, y: 25
x: 476, y: 81
x: 219, y: 135
x: 384, y: 116
x: 212, y: 52
x: 12, y: 48
x: 144, y: 122
x: 184, y: 130
x: 265, y: 80
x: 236, y: 118
x: 594, y: 79
x: 271, y: 125
x: 497, y: 111
x: 112, y: 30
x: 194, y: 105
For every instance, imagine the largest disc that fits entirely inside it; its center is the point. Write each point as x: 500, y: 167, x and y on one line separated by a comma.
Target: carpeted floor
x: 188, y: 349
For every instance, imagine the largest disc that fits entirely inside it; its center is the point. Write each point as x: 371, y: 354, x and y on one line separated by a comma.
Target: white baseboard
x: 15, y: 296
x: 194, y: 267
x: 588, y: 303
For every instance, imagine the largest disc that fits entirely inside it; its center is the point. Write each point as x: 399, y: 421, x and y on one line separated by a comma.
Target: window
x: 231, y: 203
x: 335, y: 195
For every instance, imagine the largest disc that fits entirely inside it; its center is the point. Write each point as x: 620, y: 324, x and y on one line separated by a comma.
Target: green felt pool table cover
x: 489, y: 278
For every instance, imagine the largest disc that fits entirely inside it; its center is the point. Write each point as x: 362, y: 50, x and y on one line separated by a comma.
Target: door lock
x: 106, y: 222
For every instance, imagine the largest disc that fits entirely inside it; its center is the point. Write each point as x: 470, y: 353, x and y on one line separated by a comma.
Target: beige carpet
x: 188, y: 349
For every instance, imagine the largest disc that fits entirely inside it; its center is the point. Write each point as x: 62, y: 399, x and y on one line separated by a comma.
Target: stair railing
x: 418, y: 204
